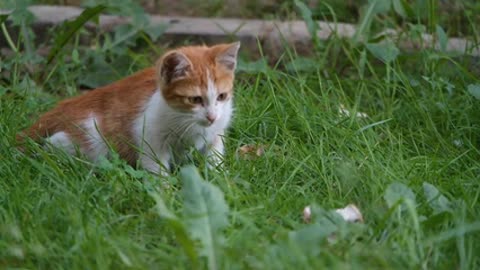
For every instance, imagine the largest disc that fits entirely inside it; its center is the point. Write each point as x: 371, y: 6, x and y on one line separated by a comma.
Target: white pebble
x: 350, y: 213
x: 307, y: 213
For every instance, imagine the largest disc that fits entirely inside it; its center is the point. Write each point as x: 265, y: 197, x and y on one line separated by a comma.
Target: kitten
x: 154, y: 116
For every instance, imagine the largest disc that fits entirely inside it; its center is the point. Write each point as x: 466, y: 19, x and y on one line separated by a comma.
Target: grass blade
x: 365, y: 22
x: 307, y: 17
x: 374, y: 124
x: 3, y: 19
x: 71, y: 28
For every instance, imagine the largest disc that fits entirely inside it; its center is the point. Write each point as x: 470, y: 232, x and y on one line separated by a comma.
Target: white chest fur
x: 162, y: 133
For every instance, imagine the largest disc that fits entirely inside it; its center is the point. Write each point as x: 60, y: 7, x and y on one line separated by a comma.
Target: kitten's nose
x: 211, y: 118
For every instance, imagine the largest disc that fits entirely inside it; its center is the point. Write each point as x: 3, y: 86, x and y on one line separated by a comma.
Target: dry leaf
x: 251, y: 151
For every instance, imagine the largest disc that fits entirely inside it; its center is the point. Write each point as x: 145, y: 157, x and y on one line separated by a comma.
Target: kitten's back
x: 114, y: 105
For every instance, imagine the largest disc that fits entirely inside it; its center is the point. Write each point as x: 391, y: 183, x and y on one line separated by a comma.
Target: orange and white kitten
x: 154, y: 116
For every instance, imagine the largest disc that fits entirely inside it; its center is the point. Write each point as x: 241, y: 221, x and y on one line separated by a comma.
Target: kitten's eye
x: 195, y: 100
x: 222, y: 97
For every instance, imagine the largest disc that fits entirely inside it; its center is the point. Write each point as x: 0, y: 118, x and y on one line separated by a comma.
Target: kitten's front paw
x: 163, y: 173
x: 154, y: 167
x: 214, y: 161
x: 217, y: 163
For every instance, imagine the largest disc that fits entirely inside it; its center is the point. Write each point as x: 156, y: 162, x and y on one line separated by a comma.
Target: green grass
x: 422, y: 134
x: 63, y: 212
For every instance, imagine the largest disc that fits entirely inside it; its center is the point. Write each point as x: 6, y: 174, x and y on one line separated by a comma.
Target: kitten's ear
x: 173, y: 66
x: 227, y: 55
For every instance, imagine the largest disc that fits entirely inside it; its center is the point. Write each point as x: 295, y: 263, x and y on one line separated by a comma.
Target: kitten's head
x: 199, y: 80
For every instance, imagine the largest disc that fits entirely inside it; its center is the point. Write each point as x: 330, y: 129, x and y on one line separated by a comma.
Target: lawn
x: 405, y: 149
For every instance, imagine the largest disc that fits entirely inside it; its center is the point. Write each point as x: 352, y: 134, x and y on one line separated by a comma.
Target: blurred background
x: 381, y: 30
x: 454, y: 15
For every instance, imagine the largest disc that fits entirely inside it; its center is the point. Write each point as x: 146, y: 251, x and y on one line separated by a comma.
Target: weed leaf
x: 399, y: 9
x: 176, y: 225
x: 155, y: 31
x: 381, y: 6
x: 71, y: 28
x: 205, y: 213
x: 310, y: 238
x: 18, y: 11
x: 442, y: 38
x: 474, y: 90
x: 99, y: 73
x: 362, y: 63
x: 302, y: 64
x: 407, y: 7
x: 435, y: 199
x: 397, y: 192
x: 3, y: 18
x: 307, y: 17
x: 124, y: 34
x: 386, y: 52
x: 259, y: 66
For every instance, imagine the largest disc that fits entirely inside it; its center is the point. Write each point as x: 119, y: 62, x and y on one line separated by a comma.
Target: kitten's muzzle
x: 211, y: 118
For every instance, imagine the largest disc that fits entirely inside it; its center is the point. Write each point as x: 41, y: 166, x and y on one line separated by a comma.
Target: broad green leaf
x: 3, y: 18
x: 124, y: 34
x: 436, y: 219
x: 381, y: 6
x: 205, y: 214
x: 137, y: 174
x: 398, y: 192
x: 259, y: 66
x: 310, y: 238
x: 71, y: 28
x: 300, y: 64
x: 75, y: 56
x: 99, y: 73
x: 130, y: 8
x: 442, y: 38
x: 155, y: 31
x: 176, y: 225
x: 416, y: 30
x: 18, y: 11
x: 420, y: 8
x: 407, y: 8
x: 474, y: 90
x: 399, y: 9
x: 386, y: 52
x: 104, y: 164
x: 435, y: 199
